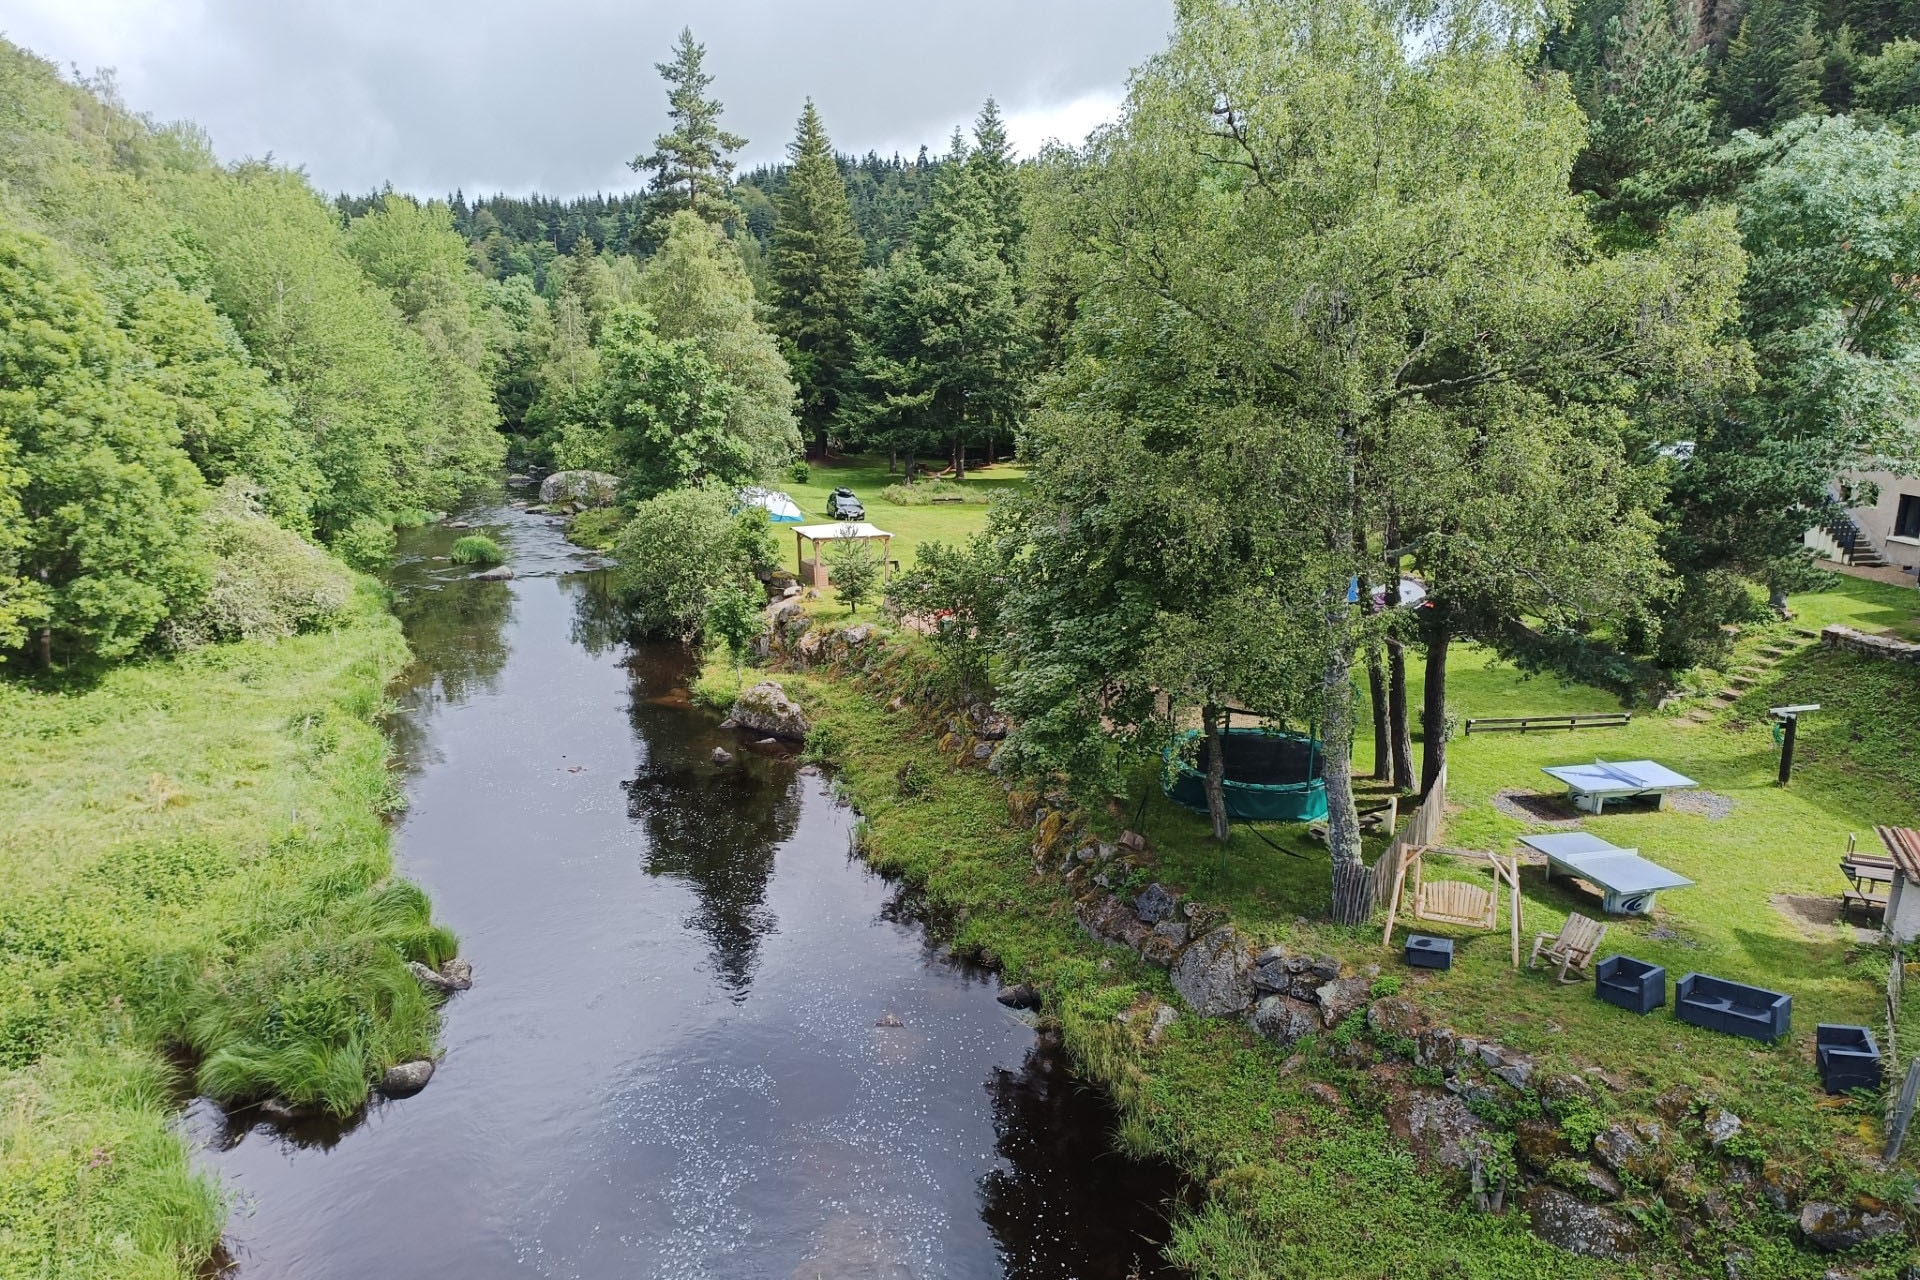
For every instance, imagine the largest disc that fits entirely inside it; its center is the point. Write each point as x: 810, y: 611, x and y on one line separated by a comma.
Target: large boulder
x: 766, y: 709
x: 592, y: 488
x: 1215, y: 975
x: 1565, y: 1220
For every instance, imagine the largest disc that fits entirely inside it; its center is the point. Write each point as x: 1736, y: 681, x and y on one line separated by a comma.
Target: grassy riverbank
x: 1299, y: 1184
x: 194, y: 868
x: 1294, y: 1147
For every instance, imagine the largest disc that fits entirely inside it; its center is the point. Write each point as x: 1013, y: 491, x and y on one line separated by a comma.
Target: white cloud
x: 492, y: 95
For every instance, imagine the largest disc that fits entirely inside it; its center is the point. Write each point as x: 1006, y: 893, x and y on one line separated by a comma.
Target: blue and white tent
x: 781, y: 509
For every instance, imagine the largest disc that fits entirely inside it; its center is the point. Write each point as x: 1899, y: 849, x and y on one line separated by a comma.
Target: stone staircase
x: 1775, y: 648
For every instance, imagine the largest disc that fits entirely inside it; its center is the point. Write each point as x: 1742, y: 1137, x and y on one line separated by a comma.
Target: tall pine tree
x: 692, y: 162
x: 816, y: 271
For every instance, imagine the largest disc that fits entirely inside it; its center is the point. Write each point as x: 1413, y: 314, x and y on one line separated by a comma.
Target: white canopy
x: 844, y: 529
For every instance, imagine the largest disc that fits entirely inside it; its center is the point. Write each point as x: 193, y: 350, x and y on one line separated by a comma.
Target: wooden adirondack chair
x: 1572, y: 947
x: 1456, y: 902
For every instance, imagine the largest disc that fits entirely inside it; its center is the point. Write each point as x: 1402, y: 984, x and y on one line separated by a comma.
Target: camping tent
x: 781, y: 509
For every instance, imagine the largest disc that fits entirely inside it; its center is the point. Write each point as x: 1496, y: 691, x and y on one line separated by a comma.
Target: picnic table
x: 1627, y: 881
x: 1590, y: 786
x: 1872, y: 879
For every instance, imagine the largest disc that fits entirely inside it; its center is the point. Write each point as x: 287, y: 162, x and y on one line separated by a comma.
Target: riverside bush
x: 267, y: 581
x: 476, y: 548
x: 679, y: 549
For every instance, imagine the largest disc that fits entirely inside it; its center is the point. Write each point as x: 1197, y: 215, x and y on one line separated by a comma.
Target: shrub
x: 366, y: 544
x: 733, y: 617
x: 267, y: 581
x: 476, y: 548
x: 678, y: 550
x: 931, y: 491
x: 596, y: 528
x: 800, y: 472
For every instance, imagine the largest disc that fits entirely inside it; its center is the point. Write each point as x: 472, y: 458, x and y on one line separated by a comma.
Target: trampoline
x: 1272, y: 775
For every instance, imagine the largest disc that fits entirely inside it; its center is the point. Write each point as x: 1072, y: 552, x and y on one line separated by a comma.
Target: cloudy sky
x: 491, y: 95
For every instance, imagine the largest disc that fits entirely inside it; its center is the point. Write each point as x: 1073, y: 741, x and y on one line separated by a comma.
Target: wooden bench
x: 1523, y: 724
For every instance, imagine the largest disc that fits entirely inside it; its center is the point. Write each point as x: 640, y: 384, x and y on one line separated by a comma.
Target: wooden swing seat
x: 1456, y: 902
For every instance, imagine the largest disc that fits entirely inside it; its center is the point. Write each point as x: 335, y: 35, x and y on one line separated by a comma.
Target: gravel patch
x: 1707, y: 804
x: 1535, y: 808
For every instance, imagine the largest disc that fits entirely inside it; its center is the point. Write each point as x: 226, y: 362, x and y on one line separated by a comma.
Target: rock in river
x: 1019, y: 996
x: 406, y: 1078
x: 500, y: 573
x: 767, y: 709
x: 722, y: 756
x: 431, y: 980
x: 595, y: 488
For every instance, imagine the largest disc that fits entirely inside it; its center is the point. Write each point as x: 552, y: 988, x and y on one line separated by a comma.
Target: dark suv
x: 844, y: 506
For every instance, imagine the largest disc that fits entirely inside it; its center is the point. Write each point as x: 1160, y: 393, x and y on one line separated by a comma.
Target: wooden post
x: 1399, y: 884
x: 1513, y: 885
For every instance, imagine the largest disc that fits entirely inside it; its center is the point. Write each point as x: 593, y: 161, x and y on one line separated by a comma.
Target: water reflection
x: 599, y: 625
x: 1061, y: 1174
x: 714, y: 826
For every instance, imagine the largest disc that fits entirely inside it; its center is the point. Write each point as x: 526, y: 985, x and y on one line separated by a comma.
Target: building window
x: 1906, y: 523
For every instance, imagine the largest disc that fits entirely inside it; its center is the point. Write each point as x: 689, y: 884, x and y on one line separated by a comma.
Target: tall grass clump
x: 192, y: 857
x: 928, y: 492
x: 476, y: 548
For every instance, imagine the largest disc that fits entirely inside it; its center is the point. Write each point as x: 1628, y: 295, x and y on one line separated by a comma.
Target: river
x: 671, y: 1063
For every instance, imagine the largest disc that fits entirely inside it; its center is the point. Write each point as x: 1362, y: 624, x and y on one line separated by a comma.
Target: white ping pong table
x: 1627, y: 881
x: 1590, y: 786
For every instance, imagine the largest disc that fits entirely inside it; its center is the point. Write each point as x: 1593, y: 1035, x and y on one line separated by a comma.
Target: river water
x: 669, y: 1064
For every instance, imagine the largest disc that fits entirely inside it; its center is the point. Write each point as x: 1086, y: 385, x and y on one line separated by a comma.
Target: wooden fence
x: 1899, y: 1105
x: 1420, y: 826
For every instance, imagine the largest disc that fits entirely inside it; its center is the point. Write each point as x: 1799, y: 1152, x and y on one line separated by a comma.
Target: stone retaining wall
x: 1884, y: 647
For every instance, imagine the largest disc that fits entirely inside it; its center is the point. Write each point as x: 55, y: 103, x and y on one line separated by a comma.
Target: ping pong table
x: 1590, y: 786
x: 1627, y: 881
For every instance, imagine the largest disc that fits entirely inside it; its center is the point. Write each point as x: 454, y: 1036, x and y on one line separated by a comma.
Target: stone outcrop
x: 1215, y: 975
x: 1438, y: 1127
x: 1565, y: 1220
x: 766, y: 709
x: 1284, y: 1020
x: 587, y: 488
x: 1836, y: 1227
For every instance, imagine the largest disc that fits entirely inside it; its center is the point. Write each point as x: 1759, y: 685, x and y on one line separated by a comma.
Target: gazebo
x: 813, y: 570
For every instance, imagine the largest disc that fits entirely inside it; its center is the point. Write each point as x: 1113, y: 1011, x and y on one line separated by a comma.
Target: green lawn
x: 911, y: 526
x: 1764, y: 871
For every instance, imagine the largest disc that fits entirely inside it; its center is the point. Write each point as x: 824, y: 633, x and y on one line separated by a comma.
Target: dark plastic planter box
x: 1733, y: 1008
x: 1424, y: 951
x: 1631, y: 984
x: 1849, y: 1057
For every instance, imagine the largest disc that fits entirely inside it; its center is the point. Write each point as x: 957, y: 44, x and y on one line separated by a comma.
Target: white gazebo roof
x: 843, y: 529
